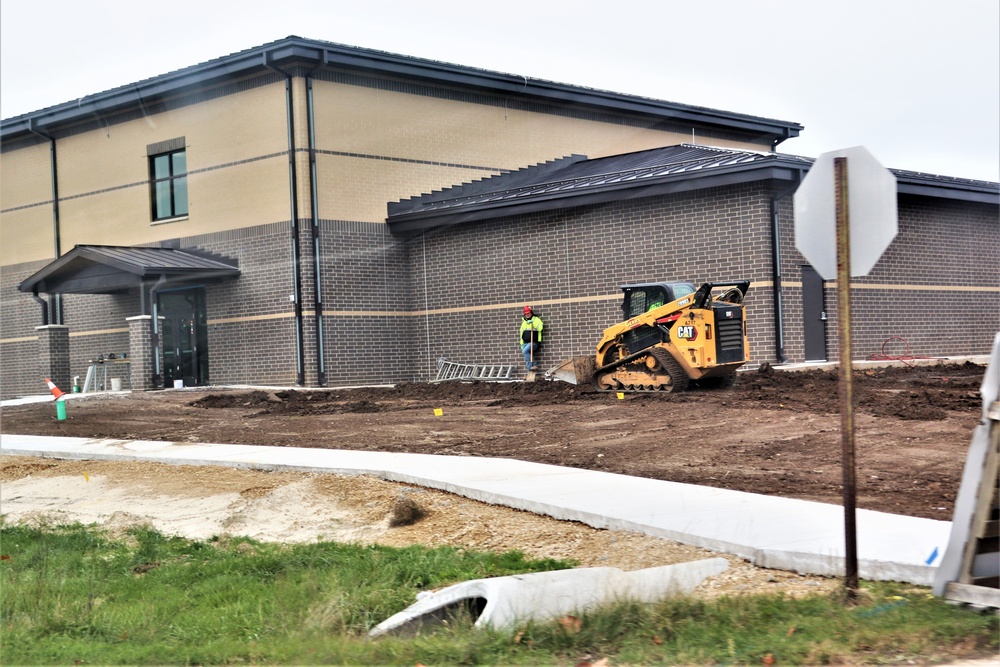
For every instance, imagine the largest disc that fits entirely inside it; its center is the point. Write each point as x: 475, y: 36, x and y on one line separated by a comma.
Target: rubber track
x: 679, y: 380
x: 674, y: 370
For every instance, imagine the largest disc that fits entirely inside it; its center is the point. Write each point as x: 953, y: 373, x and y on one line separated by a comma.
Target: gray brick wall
x: 20, y: 363
x: 393, y: 305
x: 571, y: 265
x: 141, y: 361
x: 53, y: 355
x: 940, y: 244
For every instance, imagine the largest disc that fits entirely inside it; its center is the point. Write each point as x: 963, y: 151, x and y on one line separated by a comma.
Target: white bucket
x: 178, y: 384
x: 116, y: 384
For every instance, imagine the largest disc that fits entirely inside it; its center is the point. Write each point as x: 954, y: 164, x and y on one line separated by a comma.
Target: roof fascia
x: 94, y: 258
x: 550, y: 91
x: 675, y: 184
x: 57, y: 265
x: 979, y: 192
x: 102, y: 284
x: 144, y: 92
x: 955, y: 191
x: 312, y: 53
x: 87, y: 276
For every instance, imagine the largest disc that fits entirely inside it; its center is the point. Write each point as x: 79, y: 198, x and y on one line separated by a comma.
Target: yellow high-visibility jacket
x: 530, y: 328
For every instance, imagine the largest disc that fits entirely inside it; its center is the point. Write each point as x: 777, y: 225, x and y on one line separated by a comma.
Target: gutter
x: 380, y: 63
x: 300, y: 376
x: 45, y: 307
x: 54, y: 308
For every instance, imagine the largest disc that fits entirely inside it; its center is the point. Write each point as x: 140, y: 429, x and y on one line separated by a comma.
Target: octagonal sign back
x: 871, y: 206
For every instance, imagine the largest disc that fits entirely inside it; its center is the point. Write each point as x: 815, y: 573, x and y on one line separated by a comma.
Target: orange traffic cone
x: 56, y: 391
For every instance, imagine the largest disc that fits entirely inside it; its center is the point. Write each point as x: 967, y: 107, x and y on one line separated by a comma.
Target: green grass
x: 72, y: 595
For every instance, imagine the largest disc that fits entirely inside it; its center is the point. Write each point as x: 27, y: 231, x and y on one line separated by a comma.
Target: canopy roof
x: 101, y: 269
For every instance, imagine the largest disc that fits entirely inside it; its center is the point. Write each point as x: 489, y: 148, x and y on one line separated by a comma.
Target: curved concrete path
x: 781, y: 533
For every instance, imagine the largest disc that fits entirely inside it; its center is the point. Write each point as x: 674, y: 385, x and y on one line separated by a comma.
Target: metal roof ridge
x: 621, y: 174
x: 573, y: 158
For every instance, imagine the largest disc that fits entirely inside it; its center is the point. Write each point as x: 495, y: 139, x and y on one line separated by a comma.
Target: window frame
x: 175, y: 199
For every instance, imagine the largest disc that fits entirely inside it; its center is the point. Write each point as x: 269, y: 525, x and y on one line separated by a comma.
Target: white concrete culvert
x: 503, y: 602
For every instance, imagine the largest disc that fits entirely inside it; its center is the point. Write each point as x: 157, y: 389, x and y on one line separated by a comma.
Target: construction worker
x: 530, y: 338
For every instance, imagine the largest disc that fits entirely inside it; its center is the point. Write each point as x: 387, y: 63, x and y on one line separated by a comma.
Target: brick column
x: 53, y: 356
x: 140, y: 336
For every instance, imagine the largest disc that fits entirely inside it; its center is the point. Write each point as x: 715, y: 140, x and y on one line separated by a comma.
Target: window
x: 682, y: 289
x: 168, y: 179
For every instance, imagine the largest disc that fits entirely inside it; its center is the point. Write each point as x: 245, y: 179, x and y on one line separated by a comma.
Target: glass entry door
x: 184, y: 334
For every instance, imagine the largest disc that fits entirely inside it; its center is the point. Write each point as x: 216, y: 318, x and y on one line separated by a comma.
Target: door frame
x: 814, y: 338
x: 197, y: 319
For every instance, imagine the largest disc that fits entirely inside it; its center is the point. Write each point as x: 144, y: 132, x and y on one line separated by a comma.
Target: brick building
x: 258, y: 219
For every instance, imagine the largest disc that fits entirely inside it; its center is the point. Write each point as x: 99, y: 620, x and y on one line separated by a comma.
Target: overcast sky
x: 917, y: 82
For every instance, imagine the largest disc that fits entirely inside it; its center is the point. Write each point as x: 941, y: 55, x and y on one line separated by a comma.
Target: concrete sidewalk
x: 768, y: 531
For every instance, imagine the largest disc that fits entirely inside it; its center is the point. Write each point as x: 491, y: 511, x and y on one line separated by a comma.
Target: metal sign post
x: 824, y: 216
x: 845, y: 383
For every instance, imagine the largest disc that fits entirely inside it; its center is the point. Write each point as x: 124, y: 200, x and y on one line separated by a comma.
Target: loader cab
x: 643, y: 297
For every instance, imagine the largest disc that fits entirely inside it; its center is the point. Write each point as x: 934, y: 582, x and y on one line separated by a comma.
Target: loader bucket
x: 575, y: 370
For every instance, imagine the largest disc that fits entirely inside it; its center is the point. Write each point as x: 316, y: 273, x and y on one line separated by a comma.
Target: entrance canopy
x: 101, y: 269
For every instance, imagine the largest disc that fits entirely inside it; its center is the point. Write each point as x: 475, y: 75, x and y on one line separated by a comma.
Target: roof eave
x: 114, y: 281
x: 145, y: 92
x: 295, y: 50
x: 958, y: 192
x: 670, y: 185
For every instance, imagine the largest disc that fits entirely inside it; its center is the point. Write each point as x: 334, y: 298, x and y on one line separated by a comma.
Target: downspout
x: 779, y: 327
x: 45, y: 307
x: 54, y: 312
x: 314, y: 194
x: 777, y: 140
x: 293, y: 199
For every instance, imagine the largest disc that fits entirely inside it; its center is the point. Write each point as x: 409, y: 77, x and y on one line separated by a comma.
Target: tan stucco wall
x: 358, y: 189
x: 372, y: 121
x: 26, y: 233
x: 237, y: 164
x: 404, y: 145
x: 389, y: 124
x: 25, y: 177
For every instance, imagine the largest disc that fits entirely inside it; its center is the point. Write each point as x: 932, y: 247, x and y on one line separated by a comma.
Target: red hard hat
x: 527, y: 309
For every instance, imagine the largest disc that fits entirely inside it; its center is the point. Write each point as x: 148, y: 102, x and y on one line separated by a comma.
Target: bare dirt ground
x: 775, y: 433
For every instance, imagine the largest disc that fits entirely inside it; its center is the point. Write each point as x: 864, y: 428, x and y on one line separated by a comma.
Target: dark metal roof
x: 98, y: 269
x: 576, y: 181
x: 311, y: 54
x: 946, y: 187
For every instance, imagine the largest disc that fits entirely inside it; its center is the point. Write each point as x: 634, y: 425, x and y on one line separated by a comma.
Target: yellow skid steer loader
x: 672, y: 335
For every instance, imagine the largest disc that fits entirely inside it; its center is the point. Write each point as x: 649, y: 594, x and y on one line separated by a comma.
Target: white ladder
x: 450, y: 370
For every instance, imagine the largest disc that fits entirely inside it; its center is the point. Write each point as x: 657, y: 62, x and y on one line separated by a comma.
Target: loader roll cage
x: 704, y: 294
x: 643, y: 297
